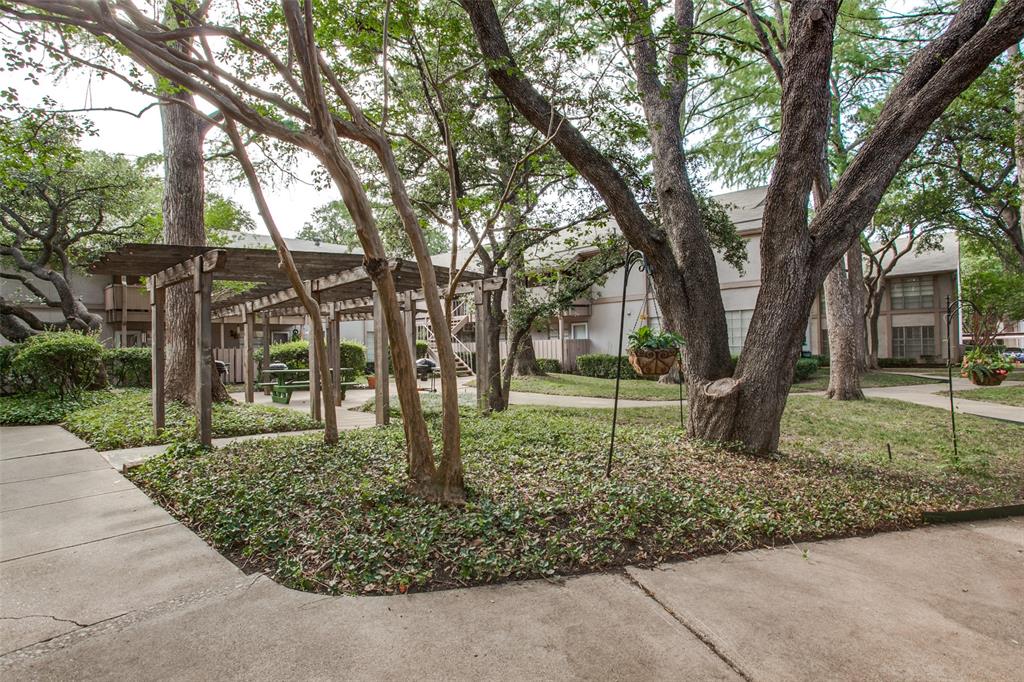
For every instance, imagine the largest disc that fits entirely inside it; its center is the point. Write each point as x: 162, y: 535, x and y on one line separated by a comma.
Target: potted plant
x: 984, y: 367
x: 653, y: 353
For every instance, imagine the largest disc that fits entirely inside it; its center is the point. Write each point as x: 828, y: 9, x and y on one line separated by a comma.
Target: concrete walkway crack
x: 705, y: 639
x: 44, y: 615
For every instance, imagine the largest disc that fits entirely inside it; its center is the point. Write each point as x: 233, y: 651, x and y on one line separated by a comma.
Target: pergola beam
x: 185, y: 270
x: 487, y: 284
x: 318, y: 285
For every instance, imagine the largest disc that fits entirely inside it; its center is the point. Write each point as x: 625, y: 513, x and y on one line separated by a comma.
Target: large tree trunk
x: 845, y: 329
x: 497, y: 398
x: 874, y: 313
x: 526, y: 359
x: 183, y: 132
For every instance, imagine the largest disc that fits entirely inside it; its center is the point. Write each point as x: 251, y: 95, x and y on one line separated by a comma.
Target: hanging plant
x: 653, y: 353
x: 984, y: 367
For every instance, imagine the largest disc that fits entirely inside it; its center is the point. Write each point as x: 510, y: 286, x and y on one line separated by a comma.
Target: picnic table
x: 287, y: 381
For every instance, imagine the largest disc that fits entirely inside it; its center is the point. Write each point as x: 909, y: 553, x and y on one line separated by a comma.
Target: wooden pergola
x: 337, y: 281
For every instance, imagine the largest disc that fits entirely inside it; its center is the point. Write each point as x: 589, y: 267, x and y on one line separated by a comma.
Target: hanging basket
x: 992, y: 379
x: 653, y: 363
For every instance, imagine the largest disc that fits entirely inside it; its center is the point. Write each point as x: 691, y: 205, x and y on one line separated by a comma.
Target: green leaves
x: 646, y: 338
x: 339, y: 520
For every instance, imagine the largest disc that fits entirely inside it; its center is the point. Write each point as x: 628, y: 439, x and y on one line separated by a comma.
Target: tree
x: 797, y: 250
x: 315, y: 113
x: 970, y: 156
x: 331, y: 224
x: 996, y: 293
x: 61, y: 207
x: 911, y: 219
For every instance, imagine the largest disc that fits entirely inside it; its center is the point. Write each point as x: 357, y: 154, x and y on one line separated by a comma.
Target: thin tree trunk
x: 288, y: 264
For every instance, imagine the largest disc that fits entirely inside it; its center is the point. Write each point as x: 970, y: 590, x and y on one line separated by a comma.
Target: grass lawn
x: 819, y: 382
x: 640, y: 389
x: 338, y: 519
x: 1005, y: 395
x: 122, y: 418
x: 1014, y: 375
x: 592, y: 387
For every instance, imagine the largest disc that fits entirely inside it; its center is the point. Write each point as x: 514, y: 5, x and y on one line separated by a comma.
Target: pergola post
x: 409, y: 303
x: 202, y: 286
x: 482, y: 360
x: 124, y: 312
x: 334, y: 350
x: 248, y: 362
x: 314, y: 370
x: 380, y: 362
x: 157, y: 300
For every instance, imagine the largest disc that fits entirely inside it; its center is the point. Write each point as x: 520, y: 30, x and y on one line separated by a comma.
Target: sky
x: 120, y: 133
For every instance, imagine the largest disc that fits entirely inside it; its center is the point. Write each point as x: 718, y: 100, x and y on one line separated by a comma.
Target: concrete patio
x: 98, y: 582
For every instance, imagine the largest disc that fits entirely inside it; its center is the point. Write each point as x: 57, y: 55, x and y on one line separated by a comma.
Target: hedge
x: 60, y: 363
x: 353, y: 354
x: 128, y: 366
x: 295, y: 354
x: 805, y: 369
x: 602, y: 366
x: 10, y: 380
x: 549, y: 365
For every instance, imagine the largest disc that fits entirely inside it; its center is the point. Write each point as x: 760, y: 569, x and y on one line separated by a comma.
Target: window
x: 912, y: 292
x: 579, y: 330
x: 911, y: 342
x: 738, y: 321
x: 279, y: 337
x: 824, y: 342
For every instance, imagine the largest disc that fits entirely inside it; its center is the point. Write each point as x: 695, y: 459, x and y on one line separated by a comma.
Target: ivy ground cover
x: 338, y: 519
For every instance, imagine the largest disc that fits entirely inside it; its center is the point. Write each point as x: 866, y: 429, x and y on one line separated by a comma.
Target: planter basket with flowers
x: 984, y: 367
x: 653, y: 353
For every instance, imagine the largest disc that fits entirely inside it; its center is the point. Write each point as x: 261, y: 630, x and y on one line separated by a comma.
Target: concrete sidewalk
x: 97, y: 582
x: 930, y: 395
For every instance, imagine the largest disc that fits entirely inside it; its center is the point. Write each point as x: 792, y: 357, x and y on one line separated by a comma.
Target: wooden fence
x: 548, y: 349
x: 234, y: 358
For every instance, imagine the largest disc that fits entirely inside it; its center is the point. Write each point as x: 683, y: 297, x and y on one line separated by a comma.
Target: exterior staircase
x: 463, y: 354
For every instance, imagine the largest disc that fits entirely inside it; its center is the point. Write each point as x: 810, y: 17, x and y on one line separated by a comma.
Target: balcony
x: 130, y: 302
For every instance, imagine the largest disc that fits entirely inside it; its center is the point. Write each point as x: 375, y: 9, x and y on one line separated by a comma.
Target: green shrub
x: 805, y: 369
x: 897, y: 362
x: 128, y: 366
x: 60, y: 363
x: 421, y: 348
x: 549, y: 365
x: 602, y: 366
x: 295, y: 354
x: 10, y: 380
x: 353, y: 354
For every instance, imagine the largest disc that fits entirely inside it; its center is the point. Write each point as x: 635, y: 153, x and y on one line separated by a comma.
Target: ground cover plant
x: 28, y: 409
x: 123, y: 419
x: 1004, y: 395
x: 113, y: 419
x: 339, y: 519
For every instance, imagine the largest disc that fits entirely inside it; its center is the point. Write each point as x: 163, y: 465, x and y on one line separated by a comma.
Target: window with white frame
x: 910, y: 293
x: 912, y: 342
x: 579, y: 330
x: 738, y: 321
